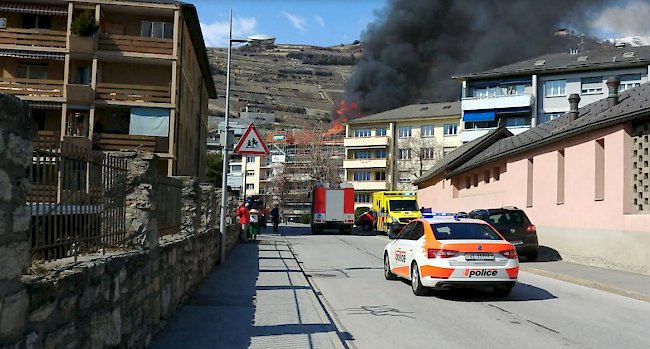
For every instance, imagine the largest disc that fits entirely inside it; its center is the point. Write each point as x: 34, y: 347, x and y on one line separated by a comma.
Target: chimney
x: 612, y: 85
x: 574, y: 100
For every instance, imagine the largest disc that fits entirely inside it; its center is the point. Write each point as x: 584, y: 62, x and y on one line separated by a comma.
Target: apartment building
x: 112, y: 75
x: 582, y: 178
x: 388, y: 150
x: 529, y: 93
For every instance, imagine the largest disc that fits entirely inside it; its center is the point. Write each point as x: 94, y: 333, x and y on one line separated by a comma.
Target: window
x: 250, y: 186
x: 250, y: 173
x: 362, y: 154
x: 514, y: 121
x: 529, y: 184
x: 159, y: 30
x: 362, y: 176
x: 406, y: 232
x: 482, y: 124
x: 3, y: 23
x: 600, y: 170
x: 380, y: 176
x: 405, y: 132
x: 560, y: 177
x: 629, y: 81
x: 362, y: 132
x: 405, y: 154
x: 426, y: 131
x: 417, y: 232
x: 404, y: 177
x: 381, y: 131
x: 428, y: 153
x: 36, y: 21
x: 451, y: 129
x: 380, y: 154
x: 555, y: 88
x: 32, y: 71
x: 250, y: 159
x: 548, y: 117
x: 464, y: 231
x: 403, y: 205
x: 235, y: 168
x: 447, y: 150
x: 486, y: 176
x: 592, y: 85
x: 362, y: 197
x: 84, y: 76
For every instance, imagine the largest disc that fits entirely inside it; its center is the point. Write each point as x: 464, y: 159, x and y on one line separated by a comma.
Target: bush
x: 305, y: 219
x: 84, y: 24
x: 359, y: 211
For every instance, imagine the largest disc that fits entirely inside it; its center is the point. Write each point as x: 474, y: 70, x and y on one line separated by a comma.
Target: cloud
x: 216, y: 34
x: 320, y: 21
x: 297, y: 22
x: 630, y: 20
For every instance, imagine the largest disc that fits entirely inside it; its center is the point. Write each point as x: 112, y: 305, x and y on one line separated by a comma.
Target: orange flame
x: 343, y: 111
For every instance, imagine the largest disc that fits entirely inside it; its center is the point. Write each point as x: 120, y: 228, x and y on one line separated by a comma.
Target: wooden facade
x: 96, y: 87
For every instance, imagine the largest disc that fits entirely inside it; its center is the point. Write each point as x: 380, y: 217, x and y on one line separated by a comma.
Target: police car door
x: 400, y: 251
x: 413, y: 243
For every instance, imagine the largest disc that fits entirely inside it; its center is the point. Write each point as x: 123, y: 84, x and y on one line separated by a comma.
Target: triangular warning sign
x: 251, y: 143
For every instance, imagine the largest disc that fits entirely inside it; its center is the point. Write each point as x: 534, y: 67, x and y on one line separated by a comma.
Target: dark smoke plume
x: 414, y: 46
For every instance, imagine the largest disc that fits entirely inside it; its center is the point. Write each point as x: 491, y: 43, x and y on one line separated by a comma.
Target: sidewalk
x: 259, y: 298
x: 614, y: 281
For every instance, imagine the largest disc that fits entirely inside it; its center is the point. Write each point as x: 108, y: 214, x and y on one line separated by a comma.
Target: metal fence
x: 77, y: 201
x: 169, y: 205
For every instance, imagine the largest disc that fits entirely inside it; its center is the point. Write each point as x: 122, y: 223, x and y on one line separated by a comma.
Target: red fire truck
x: 332, y: 207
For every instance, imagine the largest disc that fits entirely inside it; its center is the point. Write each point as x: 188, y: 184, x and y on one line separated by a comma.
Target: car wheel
x: 366, y: 226
x: 388, y: 274
x: 531, y: 256
x: 416, y: 283
x: 502, y: 291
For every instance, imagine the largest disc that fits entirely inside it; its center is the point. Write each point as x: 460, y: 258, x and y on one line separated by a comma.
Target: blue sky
x: 321, y: 23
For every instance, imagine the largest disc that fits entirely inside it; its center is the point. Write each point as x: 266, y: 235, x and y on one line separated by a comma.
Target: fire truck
x: 332, y: 207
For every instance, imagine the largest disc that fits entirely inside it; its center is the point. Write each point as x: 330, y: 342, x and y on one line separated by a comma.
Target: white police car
x: 444, y: 251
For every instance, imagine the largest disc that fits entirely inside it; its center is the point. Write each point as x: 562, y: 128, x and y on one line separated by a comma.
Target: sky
x: 320, y: 23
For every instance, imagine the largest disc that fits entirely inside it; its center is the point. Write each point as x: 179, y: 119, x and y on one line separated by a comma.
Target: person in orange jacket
x: 244, y: 220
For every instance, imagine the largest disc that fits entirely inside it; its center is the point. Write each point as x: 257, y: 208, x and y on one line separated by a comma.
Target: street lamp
x: 224, y: 180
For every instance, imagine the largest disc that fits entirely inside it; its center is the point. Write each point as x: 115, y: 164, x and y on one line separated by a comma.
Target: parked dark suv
x: 515, y: 226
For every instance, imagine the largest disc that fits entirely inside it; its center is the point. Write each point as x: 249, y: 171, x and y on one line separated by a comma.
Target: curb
x: 319, y: 299
x: 587, y: 283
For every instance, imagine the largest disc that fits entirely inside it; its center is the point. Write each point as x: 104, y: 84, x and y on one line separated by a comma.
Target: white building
x: 529, y: 93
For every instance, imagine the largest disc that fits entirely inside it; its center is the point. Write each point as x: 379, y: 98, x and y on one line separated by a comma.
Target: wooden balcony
x: 32, y: 89
x: 79, y: 94
x: 114, y: 142
x: 33, y: 38
x: 136, y: 44
x: 133, y: 93
x: 47, y: 140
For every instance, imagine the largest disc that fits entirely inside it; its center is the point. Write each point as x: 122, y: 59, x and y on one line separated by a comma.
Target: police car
x: 444, y: 251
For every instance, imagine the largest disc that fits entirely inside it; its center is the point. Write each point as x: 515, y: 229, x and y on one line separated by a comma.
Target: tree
x: 214, y: 168
x: 415, y: 155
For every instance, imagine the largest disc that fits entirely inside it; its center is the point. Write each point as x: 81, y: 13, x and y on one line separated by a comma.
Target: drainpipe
x: 574, y: 100
x: 612, y: 85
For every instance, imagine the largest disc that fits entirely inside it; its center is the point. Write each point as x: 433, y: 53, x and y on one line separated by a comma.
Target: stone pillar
x: 141, y: 210
x: 17, y: 131
x: 209, y: 209
x: 191, y: 201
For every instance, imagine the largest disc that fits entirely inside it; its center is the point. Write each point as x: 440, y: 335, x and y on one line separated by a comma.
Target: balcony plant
x: 84, y: 24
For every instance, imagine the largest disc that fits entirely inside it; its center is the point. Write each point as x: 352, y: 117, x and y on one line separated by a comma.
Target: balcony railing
x: 110, y: 142
x: 365, y: 163
x: 136, y: 44
x: 498, y: 102
x: 133, y: 93
x: 33, y: 37
x: 380, y: 141
x: 32, y: 87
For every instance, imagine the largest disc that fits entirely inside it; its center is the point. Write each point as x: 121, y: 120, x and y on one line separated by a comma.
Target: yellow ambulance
x: 394, y: 209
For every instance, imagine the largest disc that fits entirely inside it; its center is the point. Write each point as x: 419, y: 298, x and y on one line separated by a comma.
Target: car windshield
x: 403, y: 205
x: 463, y: 231
x: 506, y: 218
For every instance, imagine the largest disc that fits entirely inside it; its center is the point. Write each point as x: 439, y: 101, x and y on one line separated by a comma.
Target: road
x: 539, y: 313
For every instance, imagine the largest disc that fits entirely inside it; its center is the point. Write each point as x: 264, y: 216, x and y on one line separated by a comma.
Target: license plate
x: 518, y: 242
x: 479, y: 256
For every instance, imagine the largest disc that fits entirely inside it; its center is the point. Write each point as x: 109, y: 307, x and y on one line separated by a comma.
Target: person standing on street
x: 275, y: 214
x: 244, y: 220
x: 254, y: 227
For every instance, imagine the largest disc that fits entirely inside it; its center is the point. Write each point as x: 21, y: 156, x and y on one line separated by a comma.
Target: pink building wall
x: 582, y: 229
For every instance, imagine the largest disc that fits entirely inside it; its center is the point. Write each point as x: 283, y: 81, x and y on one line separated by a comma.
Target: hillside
x: 299, y: 83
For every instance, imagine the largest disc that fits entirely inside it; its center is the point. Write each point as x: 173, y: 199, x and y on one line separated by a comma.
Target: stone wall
x: 17, y: 129
x: 119, y: 299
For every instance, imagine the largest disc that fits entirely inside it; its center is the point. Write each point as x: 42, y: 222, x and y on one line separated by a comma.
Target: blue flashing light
x: 409, y: 194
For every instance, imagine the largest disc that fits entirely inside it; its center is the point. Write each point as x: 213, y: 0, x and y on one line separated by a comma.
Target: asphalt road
x: 539, y: 313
